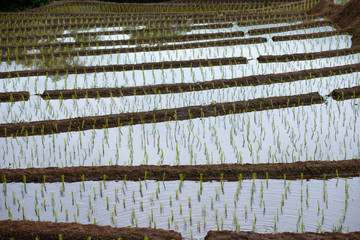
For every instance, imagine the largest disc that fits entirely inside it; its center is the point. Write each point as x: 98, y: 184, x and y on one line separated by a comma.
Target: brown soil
x: 229, y: 235
x: 127, y: 67
x: 289, y: 28
x: 123, y: 7
x: 309, y: 35
x: 211, y: 172
x: 348, y: 17
x: 64, y: 27
x: 14, y: 96
x: 138, y: 15
x: 346, y: 93
x: 174, y: 114
x: 308, y: 56
x: 50, y: 231
x: 164, y: 23
x: 157, y: 18
x: 157, y: 40
x: 199, y: 86
x: 324, y: 7
x: 69, y: 54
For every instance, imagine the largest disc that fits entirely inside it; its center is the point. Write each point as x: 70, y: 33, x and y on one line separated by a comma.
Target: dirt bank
x: 348, y: 17
x: 14, y: 96
x: 174, y: 114
x: 212, y: 172
x: 308, y: 56
x: 157, y: 40
x: 199, y: 86
x: 290, y: 28
x: 346, y: 93
x: 50, y: 231
x: 64, y: 27
x: 127, y: 67
x: 309, y: 35
x: 229, y: 235
x: 97, y: 52
x: 127, y: 20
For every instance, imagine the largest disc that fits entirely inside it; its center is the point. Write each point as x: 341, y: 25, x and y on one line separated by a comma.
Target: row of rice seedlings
x: 152, y: 77
x: 133, y: 15
x: 37, y: 109
x: 78, y: 34
x: 316, y: 132
x: 71, y: 8
x: 143, y: 55
x: 137, y: 20
x: 189, y: 207
x: 250, y: 51
x: 100, y: 30
x: 141, y: 29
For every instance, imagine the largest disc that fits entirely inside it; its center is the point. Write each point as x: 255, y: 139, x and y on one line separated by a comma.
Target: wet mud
x: 14, y: 96
x: 174, y: 114
x: 199, y: 86
x: 50, y: 231
x: 127, y: 67
x: 290, y: 28
x: 211, y: 172
x: 308, y: 56
x: 309, y: 35
x: 346, y: 93
x: 97, y: 52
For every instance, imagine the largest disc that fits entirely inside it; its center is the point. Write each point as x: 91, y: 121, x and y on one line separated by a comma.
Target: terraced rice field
x: 180, y: 120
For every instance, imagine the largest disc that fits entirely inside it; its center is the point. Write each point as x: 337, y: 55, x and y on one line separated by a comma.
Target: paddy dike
x: 14, y: 96
x: 308, y: 56
x: 36, y: 15
x: 289, y: 28
x: 129, y: 20
x: 310, y: 35
x: 127, y: 67
x: 174, y: 114
x: 346, y: 93
x: 56, y: 28
x: 86, y: 43
x: 97, y: 52
x: 199, y: 86
x: 50, y: 230
x: 212, y: 172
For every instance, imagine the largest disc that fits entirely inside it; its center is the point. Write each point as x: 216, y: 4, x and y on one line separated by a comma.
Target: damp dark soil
x: 229, y: 235
x: 309, y: 35
x: 162, y: 20
x: 211, y: 172
x: 308, y: 56
x: 83, y: 40
x: 66, y: 27
x: 85, y: 52
x: 174, y: 114
x: 126, y: 16
x: 199, y: 86
x: 50, y: 231
x: 127, y: 67
x: 14, y: 96
x: 83, y: 44
x: 289, y: 28
x: 346, y: 93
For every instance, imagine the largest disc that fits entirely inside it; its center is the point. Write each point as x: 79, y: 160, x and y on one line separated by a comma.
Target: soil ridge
x: 319, y: 169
